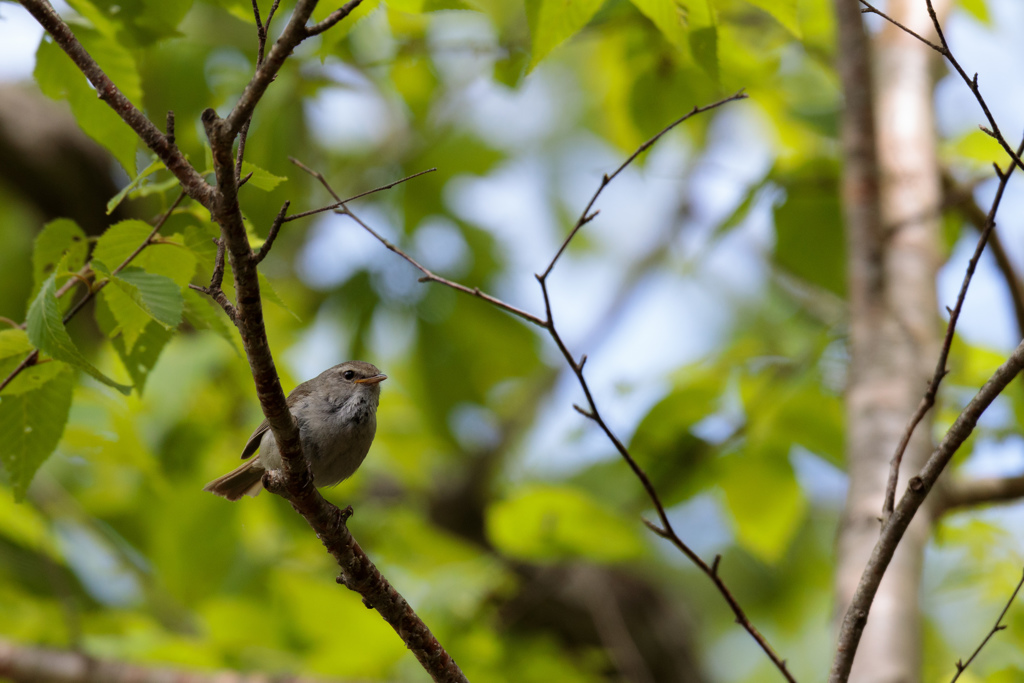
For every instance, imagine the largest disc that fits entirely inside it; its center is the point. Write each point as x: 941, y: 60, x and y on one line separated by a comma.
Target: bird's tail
x: 241, y: 481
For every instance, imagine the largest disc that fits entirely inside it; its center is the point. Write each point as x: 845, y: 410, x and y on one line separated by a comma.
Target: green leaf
x: 32, y: 377
x: 116, y: 200
x: 784, y: 12
x: 168, y: 257
x: 134, y: 297
x: 202, y: 314
x: 57, y: 238
x: 59, y: 78
x: 14, y: 346
x: 553, y: 21
x: 119, y: 241
x: 47, y: 333
x: 31, y: 424
x: 977, y: 9
x: 704, y: 46
x: 139, y: 359
x: 543, y: 522
x: 764, y: 499
x: 809, y: 228
x: 268, y: 293
x: 264, y: 180
x: 130, y: 318
x: 14, y: 342
x: 978, y: 147
x: 670, y: 16
x: 157, y: 295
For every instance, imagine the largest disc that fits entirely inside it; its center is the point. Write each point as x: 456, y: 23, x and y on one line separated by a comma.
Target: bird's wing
x: 254, y: 441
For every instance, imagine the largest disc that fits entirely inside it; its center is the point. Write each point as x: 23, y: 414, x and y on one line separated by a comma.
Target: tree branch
x: 294, y: 33
x: 586, y: 216
x: 972, y: 83
x: 896, y: 525
x: 25, y: 664
x: 664, y: 529
x: 191, y: 182
x: 327, y: 521
x: 928, y: 400
x: 969, y: 493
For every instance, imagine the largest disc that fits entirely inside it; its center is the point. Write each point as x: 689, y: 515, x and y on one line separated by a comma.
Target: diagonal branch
x: 25, y: 664
x: 928, y: 400
x: 294, y: 33
x: 358, y: 573
x: 896, y: 525
x: 191, y: 182
x: 591, y: 411
x: 586, y: 216
x: 972, y: 83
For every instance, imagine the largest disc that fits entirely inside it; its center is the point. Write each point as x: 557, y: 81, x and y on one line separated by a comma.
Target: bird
x: 336, y: 413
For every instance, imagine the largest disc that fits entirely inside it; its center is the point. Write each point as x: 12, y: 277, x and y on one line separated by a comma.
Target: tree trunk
x: 891, y: 195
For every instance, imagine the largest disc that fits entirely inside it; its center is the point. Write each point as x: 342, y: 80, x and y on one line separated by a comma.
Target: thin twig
x: 214, y: 290
x: 962, y: 199
x: 272, y: 234
x: 894, y: 528
x: 961, y: 666
x: 261, y: 39
x: 870, y: 9
x: 586, y: 216
x: 430, y: 276
x: 665, y: 528
x: 339, y: 202
x: 333, y: 18
x: 972, y: 83
x: 928, y: 400
x: 193, y: 183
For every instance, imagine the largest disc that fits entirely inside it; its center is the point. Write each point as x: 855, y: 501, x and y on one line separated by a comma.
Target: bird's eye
x: 349, y: 374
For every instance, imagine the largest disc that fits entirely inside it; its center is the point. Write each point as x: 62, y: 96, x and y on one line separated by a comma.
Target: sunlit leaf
x: 58, y: 237
x: 670, y: 16
x: 784, y: 11
x: 46, y: 332
x: 201, y: 314
x: 168, y: 256
x: 554, y: 21
x: 543, y: 522
x: 156, y: 294
x: 977, y: 9
x: 139, y: 359
x: 262, y: 179
x: 116, y: 200
x: 764, y: 500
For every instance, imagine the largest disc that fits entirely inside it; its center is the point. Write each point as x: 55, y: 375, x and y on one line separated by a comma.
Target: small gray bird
x: 336, y: 412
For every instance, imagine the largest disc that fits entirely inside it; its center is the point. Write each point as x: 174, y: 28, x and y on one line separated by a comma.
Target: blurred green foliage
x: 115, y: 547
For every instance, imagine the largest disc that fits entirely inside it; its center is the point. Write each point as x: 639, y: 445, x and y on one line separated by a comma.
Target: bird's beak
x: 376, y: 379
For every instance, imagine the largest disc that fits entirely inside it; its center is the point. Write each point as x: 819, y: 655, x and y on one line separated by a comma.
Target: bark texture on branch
x: 891, y: 195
